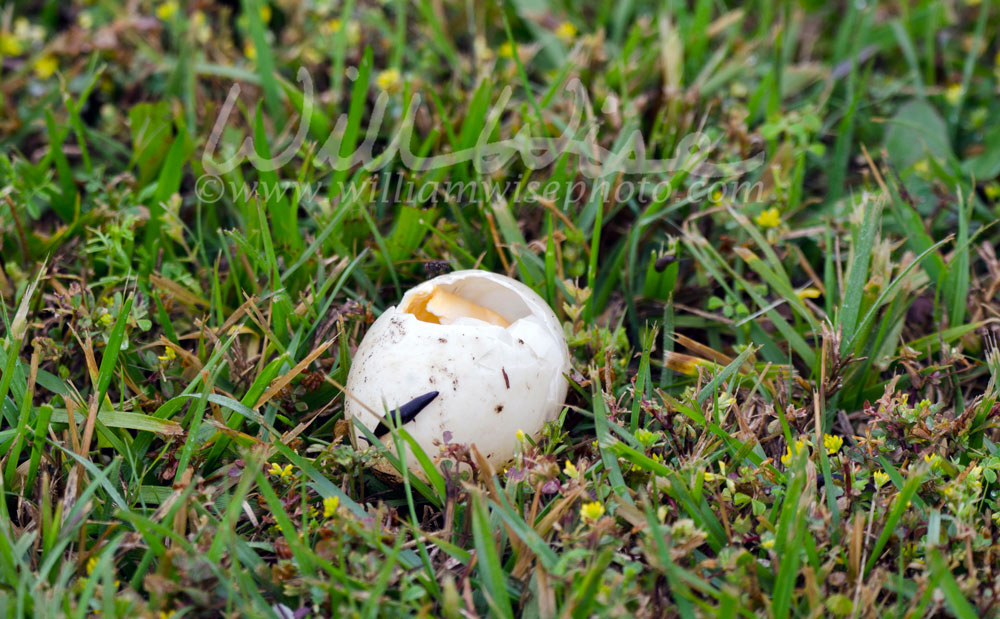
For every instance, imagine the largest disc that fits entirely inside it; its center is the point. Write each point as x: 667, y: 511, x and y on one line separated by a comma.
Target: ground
x: 767, y: 230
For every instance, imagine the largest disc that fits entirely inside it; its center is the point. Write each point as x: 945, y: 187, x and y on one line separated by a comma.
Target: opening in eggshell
x: 444, y: 308
x: 481, y: 300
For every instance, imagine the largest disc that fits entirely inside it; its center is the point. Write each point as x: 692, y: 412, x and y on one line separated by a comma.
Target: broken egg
x: 489, y: 346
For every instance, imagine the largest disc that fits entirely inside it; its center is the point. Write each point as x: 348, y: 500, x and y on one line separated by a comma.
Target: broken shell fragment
x: 489, y: 346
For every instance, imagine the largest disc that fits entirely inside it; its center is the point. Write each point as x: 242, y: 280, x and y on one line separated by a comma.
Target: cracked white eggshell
x: 491, y: 381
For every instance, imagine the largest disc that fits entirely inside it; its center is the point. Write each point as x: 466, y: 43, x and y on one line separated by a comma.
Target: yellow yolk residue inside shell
x: 443, y: 308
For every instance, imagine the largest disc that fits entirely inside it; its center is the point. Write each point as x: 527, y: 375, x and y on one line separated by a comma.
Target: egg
x: 467, y: 357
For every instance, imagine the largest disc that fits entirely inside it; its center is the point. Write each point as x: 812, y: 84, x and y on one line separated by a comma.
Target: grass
x: 783, y: 399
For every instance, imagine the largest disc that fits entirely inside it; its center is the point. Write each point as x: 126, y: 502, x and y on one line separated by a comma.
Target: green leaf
x: 916, y: 131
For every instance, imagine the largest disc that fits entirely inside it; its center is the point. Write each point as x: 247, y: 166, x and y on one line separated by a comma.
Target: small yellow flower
x: 792, y: 451
x: 709, y: 476
x: 645, y: 437
x: 933, y: 459
x: 91, y: 565
x: 506, y: 50
x: 992, y: 191
x: 167, y: 10
x: 570, y: 469
x: 106, y: 319
x: 10, y: 45
x: 389, y: 80
x: 26, y: 31
x: 592, y: 511
x: 250, y: 51
x: 725, y: 401
x: 283, y: 472
x: 330, y: 505
x: 808, y: 293
x: 880, y: 478
x: 46, y: 65
x: 199, y: 25
x: 767, y: 544
x: 769, y: 218
x: 953, y: 94
x: 265, y: 13
x: 332, y: 26
x: 169, y: 354
x: 717, y: 196
x: 520, y: 435
x: 566, y: 31
x: 832, y: 443
x: 353, y: 32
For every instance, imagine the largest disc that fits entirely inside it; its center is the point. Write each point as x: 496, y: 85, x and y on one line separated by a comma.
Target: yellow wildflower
x: 592, y: 511
x: 199, y: 25
x: 10, y: 45
x: 953, y: 94
x: 506, y: 50
x: 520, y: 435
x: 832, y: 443
x: 46, y: 65
x: 389, y: 80
x: 793, y: 450
x: 725, y: 401
x: 566, y: 31
x: 250, y: 51
x: 330, y: 505
x: 808, y: 293
x: 169, y: 354
x: 570, y: 469
x: 167, y: 10
x: 353, y: 32
x: 933, y: 459
x: 265, y: 13
x: 283, y: 472
x: 91, y: 565
x: 645, y: 437
x: 332, y: 26
x: 880, y: 478
x: 769, y: 218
